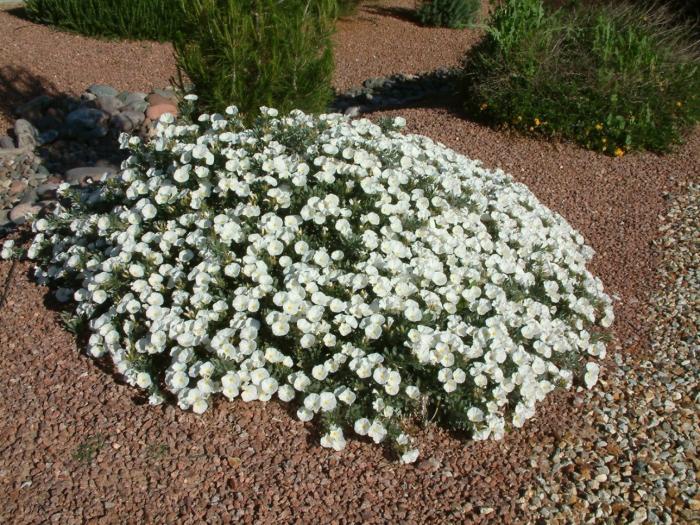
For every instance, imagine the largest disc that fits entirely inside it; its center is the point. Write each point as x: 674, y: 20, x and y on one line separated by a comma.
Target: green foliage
x: 253, y: 53
x: 147, y: 19
x: 89, y: 448
x: 448, y: 13
x: 613, y: 78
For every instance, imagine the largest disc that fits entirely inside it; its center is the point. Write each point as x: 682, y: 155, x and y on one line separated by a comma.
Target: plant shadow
x: 437, y: 89
x: 24, y: 94
x: 404, y: 14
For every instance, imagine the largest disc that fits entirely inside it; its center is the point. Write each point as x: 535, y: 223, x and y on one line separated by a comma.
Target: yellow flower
x: 537, y: 121
x: 619, y: 152
x: 679, y: 103
x: 599, y: 126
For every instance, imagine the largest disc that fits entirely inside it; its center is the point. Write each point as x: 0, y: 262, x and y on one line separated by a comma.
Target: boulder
x: 138, y: 106
x: 111, y: 105
x: 102, y: 90
x: 128, y: 97
x: 86, y: 118
x: 155, y: 112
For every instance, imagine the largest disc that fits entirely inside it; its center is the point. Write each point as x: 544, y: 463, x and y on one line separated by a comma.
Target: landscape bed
x: 255, y: 462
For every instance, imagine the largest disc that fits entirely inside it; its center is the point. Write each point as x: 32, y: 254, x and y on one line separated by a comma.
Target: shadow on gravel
x: 438, y: 89
x: 399, y: 13
x: 18, y: 86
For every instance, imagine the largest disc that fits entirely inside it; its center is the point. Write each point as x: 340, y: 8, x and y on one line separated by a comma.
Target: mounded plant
x: 367, y: 276
x: 612, y: 77
x: 147, y: 19
x: 256, y: 53
x: 455, y: 14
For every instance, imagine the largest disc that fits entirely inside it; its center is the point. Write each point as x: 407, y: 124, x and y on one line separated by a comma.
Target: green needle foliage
x: 138, y: 19
x: 253, y: 53
x: 448, y: 13
x: 614, y: 78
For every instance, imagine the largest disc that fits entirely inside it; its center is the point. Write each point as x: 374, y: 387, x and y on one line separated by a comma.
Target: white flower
x: 327, y: 401
x: 333, y: 439
x: 319, y: 372
x: 286, y: 393
x: 410, y: 456
x: 304, y: 414
x: 377, y: 431
x: 475, y: 415
x: 143, y: 380
x: 591, y: 375
x: 362, y: 426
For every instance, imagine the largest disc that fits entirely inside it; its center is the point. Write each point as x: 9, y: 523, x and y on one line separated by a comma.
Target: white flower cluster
x: 364, y: 274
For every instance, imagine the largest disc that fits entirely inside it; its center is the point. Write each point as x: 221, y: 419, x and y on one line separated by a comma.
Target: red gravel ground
x: 77, y: 445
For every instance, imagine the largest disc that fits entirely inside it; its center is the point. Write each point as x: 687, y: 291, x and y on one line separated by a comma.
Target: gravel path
x: 78, y: 445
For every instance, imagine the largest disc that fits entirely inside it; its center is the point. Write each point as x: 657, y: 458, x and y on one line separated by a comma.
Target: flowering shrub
x: 366, y: 275
x: 612, y: 76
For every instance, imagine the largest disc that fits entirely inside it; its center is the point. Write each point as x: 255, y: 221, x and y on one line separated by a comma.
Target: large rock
x: 164, y: 93
x: 86, y: 118
x: 139, y: 106
x: 128, y: 97
x: 127, y: 120
x: 111, y: 105
x: 102, y: 90
x: 155, y: 112
x: 25, y: 133
x: 80, y: 176
x: 155, y: 99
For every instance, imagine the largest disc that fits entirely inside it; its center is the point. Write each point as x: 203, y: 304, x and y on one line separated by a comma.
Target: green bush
x: 448, y: 13
x: 147, y: 19
x: 255, y: 53
x: 613, y: 78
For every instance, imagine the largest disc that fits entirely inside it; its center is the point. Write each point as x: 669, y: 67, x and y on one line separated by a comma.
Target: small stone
x: 47, y: 190
x: 22, y: 212
x: 79, y: 176
x: 110, y: 105
x: 102, y: 90
x: 47, y: 137
x: 155, y: 112
x: 25, y: 133
x: 29, y: 197
x: 353, y: 111
x: 17, y: 187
